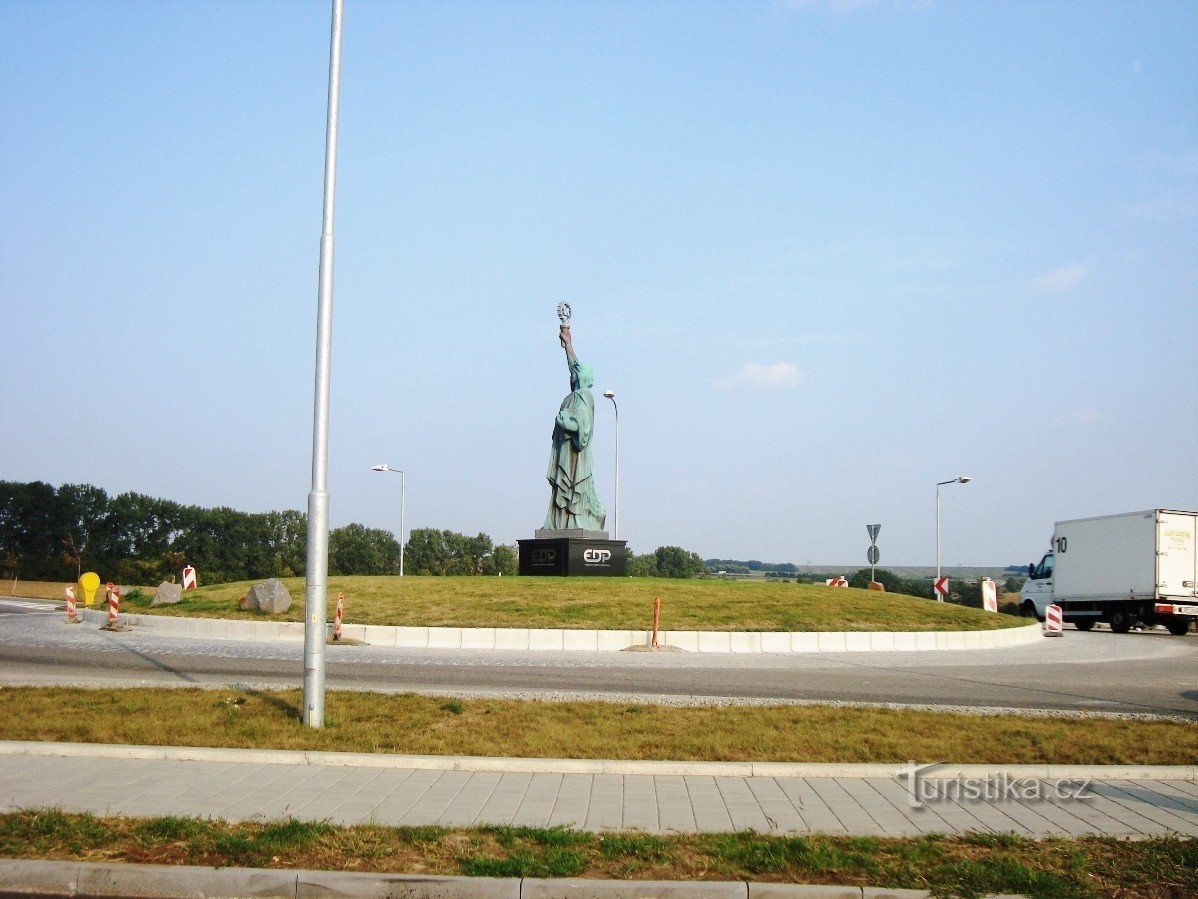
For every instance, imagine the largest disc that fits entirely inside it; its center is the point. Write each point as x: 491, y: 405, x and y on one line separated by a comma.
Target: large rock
x: 167, y: 594
x: 269, y: 596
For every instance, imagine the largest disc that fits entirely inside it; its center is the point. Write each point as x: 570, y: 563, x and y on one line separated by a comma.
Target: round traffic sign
x: 872, y: 555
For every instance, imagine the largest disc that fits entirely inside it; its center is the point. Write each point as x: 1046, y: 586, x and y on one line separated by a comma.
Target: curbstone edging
x: 588, y: 766
x: 557, y: 639
x: 33, y: 877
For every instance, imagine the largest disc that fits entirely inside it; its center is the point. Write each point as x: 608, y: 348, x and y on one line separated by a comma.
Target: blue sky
x: 826, y: 254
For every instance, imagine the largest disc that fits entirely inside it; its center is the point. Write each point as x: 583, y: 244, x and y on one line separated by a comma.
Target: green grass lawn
x: 431, y: 725
x: 972, y: 865
x: 601, y: 603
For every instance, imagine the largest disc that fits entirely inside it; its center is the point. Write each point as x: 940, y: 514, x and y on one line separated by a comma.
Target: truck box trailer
x: 1135, y: 568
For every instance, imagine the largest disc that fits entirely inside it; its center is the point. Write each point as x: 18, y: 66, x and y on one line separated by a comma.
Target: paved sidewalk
x: 662, y: 797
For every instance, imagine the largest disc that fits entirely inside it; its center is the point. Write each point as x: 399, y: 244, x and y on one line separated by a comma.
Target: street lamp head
x: 962, y: 479
x: 383, y: 467
x: 610, y: 394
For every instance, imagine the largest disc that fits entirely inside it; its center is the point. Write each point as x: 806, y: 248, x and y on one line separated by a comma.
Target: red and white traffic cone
x: 337, y: 616
x: 69, y: 592
x: 1052, y: 621
x: 113, y: 595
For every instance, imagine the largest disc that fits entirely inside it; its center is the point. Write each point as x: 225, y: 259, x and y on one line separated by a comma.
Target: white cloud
x: 1060, y: 280
x: 779, y: 375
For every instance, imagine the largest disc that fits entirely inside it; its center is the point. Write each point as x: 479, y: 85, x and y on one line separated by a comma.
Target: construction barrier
x: 337, y: 615
x: 836, y: 582
x: 69, y: 592
x: 1052, y: 621
x: 989, y: 595
x: 189, y: 578
x: 113, y: 596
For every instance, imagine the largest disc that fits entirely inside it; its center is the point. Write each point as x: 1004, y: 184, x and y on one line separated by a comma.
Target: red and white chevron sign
x: 189, y: 578
x: 940, y: 586
x: 836, y: 582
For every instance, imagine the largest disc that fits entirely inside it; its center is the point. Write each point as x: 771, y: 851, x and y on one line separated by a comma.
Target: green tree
x: 357, y: 549
x: 676, y: 562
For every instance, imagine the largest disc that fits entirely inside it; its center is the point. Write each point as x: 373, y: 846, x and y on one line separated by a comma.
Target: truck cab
x: 1036, y: 594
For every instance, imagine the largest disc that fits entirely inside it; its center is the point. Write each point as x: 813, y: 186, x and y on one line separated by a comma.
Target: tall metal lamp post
x: 960, y: 479
x: 402, y: 482
x: 316, y: 588
x: 611, y: 395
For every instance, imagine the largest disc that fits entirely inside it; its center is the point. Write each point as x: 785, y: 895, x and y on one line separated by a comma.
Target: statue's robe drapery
x: 573, y: 502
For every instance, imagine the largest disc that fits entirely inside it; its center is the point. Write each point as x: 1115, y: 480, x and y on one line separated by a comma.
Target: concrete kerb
x: 557, y: 639
x: 20, y: 877
x: 589, y: 766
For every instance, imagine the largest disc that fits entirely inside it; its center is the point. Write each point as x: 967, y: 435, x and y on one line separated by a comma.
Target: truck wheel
x: 1120, y: 620
x: 1084, y: 624
x: 1178, y: 627
x: 1028, y: 610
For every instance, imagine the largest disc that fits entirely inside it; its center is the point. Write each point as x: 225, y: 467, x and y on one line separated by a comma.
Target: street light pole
x: 611, y: 395
x: 402, y: 489
x: 317, y: 573
x: 960, y: 479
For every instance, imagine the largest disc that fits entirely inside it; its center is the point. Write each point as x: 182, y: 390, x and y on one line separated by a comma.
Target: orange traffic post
x: 337, y: 616
x: 656, y: 618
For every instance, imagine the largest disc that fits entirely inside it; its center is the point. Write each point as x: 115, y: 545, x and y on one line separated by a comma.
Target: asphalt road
x: 1150, y: 672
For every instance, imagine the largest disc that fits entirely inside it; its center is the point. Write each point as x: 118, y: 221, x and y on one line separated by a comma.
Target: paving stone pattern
x: 877, y: 806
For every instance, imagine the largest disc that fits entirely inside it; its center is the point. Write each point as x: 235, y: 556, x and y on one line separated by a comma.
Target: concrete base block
x: 831, y: 642
x: 855, y: 641
x: 478, y: 638
x: 170, y: 881
x: 376, y: 635
x: 712, y: 641
x: 582, y: 641
x: 511, y: 638
x: 411, y: 636
x: 925, y: 641
x: 444, y: 638
x: 544, y: 638
x: 747, y: 641
x: 905, y: 643
x: 614, y: 641
x: 687, y: 640
x: 881, y: 642
x: 804, y: 642
x: 775, y: 642
x: 325, y: 884
x: 536, y: 888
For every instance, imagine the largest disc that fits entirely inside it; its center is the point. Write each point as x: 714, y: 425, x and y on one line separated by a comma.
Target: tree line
x: 55, y: 534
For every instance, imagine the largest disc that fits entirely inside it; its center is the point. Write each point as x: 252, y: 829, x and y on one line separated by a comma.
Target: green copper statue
x: 573, y: 502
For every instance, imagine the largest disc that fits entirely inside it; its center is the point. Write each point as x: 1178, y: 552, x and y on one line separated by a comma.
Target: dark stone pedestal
x: 573, y: 557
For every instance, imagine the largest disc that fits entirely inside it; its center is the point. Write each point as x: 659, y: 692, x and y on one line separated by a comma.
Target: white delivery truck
x: 1136, y: 568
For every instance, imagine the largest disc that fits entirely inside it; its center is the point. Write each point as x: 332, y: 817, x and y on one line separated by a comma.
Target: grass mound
x: 601, y: 603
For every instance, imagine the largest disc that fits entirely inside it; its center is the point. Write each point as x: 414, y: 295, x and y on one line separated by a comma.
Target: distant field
x: 602, y: 603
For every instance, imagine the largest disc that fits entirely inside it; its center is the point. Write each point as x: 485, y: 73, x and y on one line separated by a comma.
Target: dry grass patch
x: 426, y: 725
x: 971, y: 865
x: 604, y: 604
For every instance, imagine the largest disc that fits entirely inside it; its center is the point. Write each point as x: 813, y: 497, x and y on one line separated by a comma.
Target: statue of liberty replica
x: 573, y: 503
x: 572, y: 540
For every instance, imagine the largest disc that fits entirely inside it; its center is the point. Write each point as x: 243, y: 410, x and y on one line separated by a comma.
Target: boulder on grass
x: 167, y: 594
x: 270, y: 596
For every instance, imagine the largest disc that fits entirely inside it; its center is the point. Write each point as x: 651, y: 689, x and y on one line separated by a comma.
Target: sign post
x: 871, y: 555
